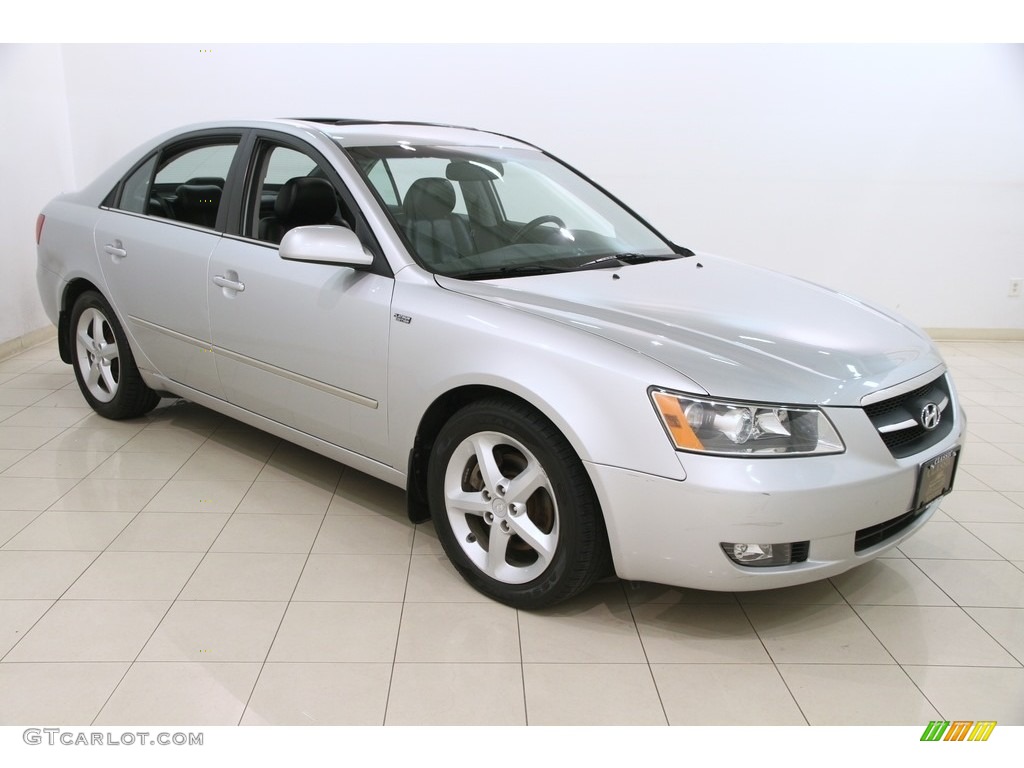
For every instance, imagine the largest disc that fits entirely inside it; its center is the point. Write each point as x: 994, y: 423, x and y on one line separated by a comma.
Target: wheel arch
x: 434, y: 418
x: 72, y: 291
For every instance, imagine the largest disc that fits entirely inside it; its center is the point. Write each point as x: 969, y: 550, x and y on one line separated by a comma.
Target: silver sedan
x: 564, y: 391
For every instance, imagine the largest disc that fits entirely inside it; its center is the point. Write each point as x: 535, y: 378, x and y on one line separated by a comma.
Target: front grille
x: 876, y: 534
x: 799, y: 551
x: 898, y: 419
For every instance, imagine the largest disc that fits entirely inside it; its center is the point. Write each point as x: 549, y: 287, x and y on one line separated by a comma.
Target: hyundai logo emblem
x: 930, y: 416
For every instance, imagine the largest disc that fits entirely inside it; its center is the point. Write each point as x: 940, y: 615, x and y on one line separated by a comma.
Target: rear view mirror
x: 325, y: 244
x: 473, y: 170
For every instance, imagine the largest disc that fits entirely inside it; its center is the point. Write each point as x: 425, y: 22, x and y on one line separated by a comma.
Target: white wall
x: 35, y: 164
x: 892, y: 172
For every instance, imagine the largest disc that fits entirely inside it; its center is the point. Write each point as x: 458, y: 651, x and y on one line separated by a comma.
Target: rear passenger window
x: 183, y: 183
x: 135, y: 194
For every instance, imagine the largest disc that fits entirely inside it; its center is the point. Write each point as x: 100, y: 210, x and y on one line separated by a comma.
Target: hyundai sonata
x: 564, y: 391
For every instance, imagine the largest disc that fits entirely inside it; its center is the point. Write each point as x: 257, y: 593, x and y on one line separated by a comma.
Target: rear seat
x: 197, y: 204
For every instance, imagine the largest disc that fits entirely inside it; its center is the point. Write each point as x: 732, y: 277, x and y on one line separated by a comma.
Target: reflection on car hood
x: 737, y: 331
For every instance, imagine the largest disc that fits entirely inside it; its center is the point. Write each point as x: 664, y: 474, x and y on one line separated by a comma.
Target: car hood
x: 736, y: 331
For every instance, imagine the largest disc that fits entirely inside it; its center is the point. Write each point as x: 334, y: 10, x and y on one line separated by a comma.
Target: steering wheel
x: 529, y: 226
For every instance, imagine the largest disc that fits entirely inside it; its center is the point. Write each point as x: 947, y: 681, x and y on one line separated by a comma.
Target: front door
x: 304, y: 344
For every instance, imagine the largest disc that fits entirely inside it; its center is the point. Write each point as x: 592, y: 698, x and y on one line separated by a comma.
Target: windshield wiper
x: 623, y: 258
x: 518, y: 270
x: 525, y: 270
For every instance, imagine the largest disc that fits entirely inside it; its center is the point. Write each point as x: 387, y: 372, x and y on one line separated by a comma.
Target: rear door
x: 154, y: 243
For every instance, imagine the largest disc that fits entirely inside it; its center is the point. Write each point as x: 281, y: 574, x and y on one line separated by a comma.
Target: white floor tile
x: 934, y: 636
x: 245, y: 576
x: 701, y: 633
x: 290, y: 463
x: 364, y: 534
x: 180, y: 694
x: 725, y: 695
x: 597, y: 627
x: 33, y: 493
x: 169, y: 532
x: 27, y: 575
x: 857, y: 694
x: 134, y: 576
x: 978, y: 583
x: 354, y: 578
x: 456, y: 694
x: 16, y: 618
x: 890, y: 582
x: 215, y: 496
x: 349, y: 632
x: 215, y: 631
x: 56, y: 693
x: 458, y: 633
x: 998, y: 693
x: 816, y: 634
x: 268, y: 533
x: 320, y: 694
x: 108, y: 495
x: 90, y: 630
x: 87, y: 531
x: 592, y: 694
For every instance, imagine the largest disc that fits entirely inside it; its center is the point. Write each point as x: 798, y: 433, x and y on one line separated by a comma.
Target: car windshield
x: 479, y: 213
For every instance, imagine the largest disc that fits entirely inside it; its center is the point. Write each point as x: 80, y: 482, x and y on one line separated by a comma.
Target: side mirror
x: 325, y: 244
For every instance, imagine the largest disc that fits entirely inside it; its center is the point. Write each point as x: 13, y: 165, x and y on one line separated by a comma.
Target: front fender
x: 592, y: 389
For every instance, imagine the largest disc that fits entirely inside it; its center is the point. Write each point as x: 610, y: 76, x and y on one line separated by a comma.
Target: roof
x: 352, y: 132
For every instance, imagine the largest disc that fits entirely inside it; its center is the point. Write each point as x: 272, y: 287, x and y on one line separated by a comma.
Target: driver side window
x: 291, y: 190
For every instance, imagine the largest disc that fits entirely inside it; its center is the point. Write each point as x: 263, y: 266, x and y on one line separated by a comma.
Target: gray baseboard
x: 27, y: 341
x: 976, y: 334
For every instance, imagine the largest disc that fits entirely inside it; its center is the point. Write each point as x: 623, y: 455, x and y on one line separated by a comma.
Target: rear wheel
x: 514, y: 507
x: 103, y: 361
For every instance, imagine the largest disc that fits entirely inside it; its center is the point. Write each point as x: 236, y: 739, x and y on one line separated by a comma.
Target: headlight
x: 747, y: 429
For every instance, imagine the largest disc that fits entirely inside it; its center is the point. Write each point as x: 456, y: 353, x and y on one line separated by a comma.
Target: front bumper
x: 670, y: 532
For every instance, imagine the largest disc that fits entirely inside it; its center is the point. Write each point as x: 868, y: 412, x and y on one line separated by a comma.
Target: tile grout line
x: 291, y: 597
x: 398, y: 636
x: 643, y: 648
x: 174, y: 600
x: 775, y: 664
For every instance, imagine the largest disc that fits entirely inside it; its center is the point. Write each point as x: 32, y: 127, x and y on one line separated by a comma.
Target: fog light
x: 759, y: 554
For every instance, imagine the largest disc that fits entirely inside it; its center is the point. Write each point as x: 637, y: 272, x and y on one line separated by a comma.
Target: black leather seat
x: 436, y: 234
x: 159, y: 207
x: 216, y: 181
x: 302, y: 202
x: 197, y: 204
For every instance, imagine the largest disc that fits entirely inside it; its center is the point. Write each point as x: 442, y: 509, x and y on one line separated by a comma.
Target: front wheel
x: 103, y: 362
x: 513, y: 506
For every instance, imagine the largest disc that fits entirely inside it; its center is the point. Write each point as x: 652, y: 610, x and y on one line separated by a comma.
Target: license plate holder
x: 935, y: 477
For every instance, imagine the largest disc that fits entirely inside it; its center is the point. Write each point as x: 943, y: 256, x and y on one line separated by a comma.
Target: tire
x: 513, y: 506
x: 103, y: 361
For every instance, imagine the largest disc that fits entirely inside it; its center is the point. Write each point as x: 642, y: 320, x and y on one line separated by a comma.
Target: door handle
x: 223, y: 282
x: 116, y: 249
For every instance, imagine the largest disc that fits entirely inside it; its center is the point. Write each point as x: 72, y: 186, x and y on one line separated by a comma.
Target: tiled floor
x: 185, y: 569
